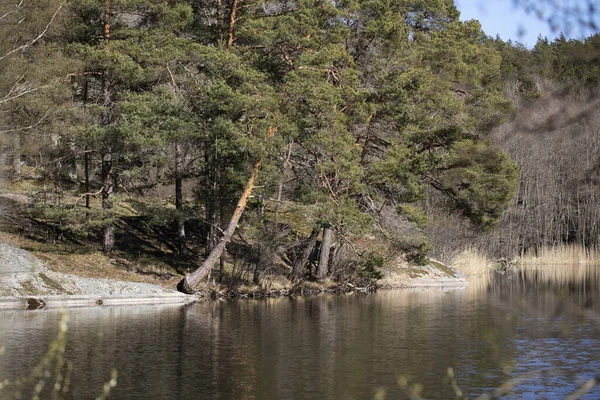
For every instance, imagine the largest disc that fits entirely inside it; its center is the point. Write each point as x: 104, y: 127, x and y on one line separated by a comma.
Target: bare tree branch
x: 23, y: 93
x: 17, y: 8
x: 95, y: 194
x: 12, y: 89
x: 38, y: 37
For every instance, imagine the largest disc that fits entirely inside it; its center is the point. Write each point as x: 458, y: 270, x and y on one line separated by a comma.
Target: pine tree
x: 125, y: 47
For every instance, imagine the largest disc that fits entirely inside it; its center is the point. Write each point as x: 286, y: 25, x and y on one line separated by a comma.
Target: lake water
x: 540, y: 327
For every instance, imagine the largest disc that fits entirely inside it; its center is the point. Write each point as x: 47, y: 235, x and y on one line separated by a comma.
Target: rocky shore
x: 27, y: 283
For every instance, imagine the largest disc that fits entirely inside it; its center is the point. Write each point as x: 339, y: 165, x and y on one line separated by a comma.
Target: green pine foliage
x: 355, y: 109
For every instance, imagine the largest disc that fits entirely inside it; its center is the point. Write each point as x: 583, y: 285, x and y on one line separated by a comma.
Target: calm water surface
x: 330, y: 347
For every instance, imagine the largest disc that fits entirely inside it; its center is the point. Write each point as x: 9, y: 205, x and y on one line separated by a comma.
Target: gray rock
x: 23, y: 275
x: 434, y: 275
x: 14, y: 260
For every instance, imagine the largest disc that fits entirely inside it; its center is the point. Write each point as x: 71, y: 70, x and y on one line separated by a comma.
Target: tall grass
x: 472, y: 262
x: 477, y: 268
x: 560, y: 255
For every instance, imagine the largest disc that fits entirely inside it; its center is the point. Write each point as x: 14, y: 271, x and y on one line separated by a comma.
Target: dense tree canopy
x: 353, y: 111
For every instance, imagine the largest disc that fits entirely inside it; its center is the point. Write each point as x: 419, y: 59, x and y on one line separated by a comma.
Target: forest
x: 311, y: 139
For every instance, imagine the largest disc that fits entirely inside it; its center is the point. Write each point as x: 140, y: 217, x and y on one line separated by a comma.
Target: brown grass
x: 560, y: 255
x: 477, y: 268
x: 398, y: 277
x: 275, y: 282
x: 472, y: 263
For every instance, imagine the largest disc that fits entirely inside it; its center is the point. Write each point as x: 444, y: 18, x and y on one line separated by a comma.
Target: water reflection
x: 553, y: 290
x: 327, y: 347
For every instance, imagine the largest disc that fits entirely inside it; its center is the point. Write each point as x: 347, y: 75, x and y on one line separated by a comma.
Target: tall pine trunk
x: 86, y: 157
x: 277, y: 205
x: 280, y: 187
x: 189, y: 283
x: 232, y: 21
x: 86, y: 172
x: 16, y: 157
x: 107, y: 203
x: 324, y: 257
x: 211, y: 199
x: 181, y: 240
x: 108, y: 239
x: 335, y: 259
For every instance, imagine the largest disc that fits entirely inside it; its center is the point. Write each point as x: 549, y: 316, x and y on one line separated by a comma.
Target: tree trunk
x: 16, y: 157
x: 301, y: 262
x: 107, y: 186
x: 232, y: 21
x: 277, y: 205
x: 256, y: 275
x: 107, y: 204
x: 221, y: 267
x: 324, y: 258
x: 189, y: 283
x: 86, y: 171
x: 280, y: 187
x: 211, y: 174
x: 86, y: 156
x: 335, y: 259
x: 219, y: 7
x: 181, y: 241
x: 106, y: 30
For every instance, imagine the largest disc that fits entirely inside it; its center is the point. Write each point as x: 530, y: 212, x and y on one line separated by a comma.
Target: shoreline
x: 32, y: 303
x: 26, y: 283
x: 40, y: 302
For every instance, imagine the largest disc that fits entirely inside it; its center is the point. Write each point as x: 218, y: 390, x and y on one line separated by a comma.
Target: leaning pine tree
x: 243, y: 108
x: 276, y: 75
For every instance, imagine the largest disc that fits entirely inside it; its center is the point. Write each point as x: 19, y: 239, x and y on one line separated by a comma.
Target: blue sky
x: 511, y: 22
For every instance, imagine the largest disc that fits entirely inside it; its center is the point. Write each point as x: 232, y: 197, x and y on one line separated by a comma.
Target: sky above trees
x: 510, y: 20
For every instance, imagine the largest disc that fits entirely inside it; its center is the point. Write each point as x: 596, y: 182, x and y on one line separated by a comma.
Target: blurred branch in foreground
x: 564, y: 15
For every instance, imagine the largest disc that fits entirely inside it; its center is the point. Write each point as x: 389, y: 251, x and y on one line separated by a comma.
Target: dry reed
x: 560, y: 255
x: 472, y: 262
x: 477, y: 268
